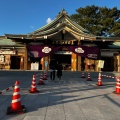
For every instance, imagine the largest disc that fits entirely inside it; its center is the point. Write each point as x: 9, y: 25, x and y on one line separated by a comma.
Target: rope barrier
x: 5, y: 90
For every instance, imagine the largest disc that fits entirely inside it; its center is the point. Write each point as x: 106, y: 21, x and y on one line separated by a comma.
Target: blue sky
x: 25, y: 16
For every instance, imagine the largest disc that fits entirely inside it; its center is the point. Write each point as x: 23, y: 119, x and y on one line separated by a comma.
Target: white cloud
x: 32, y: 26
x: 48, y: 20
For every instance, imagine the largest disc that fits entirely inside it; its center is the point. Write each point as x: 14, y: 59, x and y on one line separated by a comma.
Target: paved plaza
x: 71, y: 98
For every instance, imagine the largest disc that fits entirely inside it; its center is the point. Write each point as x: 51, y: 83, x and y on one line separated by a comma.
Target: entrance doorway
x: 82, y: 63
x: 108, y: 64
x: 15, y: 62
x: 65, y: 60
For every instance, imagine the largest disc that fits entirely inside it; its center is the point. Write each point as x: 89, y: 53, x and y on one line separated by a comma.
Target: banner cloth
x: 39, y: 51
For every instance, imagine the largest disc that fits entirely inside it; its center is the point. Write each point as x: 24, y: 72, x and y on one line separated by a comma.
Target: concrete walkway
x: 72, y: 98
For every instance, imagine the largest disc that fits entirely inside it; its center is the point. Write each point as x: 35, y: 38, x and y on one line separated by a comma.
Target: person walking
x: 53, y: 66
x: 59, y: 71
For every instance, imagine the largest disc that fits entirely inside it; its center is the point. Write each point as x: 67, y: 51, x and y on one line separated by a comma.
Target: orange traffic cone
x: 89, y: 79
x: 41, y: 80
x: 99, y: 80
x: 83, y: 76
x: 46, y: 73
x: 33, y: 88
x: 16, y: 106
x: 44, y: 76
x: 117, y: 86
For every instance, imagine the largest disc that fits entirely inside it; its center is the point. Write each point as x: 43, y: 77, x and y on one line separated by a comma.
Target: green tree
x: 100, y: 21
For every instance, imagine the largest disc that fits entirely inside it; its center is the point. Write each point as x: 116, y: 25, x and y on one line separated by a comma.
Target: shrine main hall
x: 71, y: 44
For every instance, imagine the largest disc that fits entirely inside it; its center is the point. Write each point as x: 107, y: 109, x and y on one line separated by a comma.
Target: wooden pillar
x: 79, y: 63
x: 118, y: 59
x: 42, y: 63
x: 73, y: 62
x: 21, y: 63
x: 26, y: 59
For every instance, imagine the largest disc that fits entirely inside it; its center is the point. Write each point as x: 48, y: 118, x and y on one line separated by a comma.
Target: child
x: 59, y: 71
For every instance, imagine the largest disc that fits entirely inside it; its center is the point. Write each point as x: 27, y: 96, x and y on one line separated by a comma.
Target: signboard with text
x: 3, y: 52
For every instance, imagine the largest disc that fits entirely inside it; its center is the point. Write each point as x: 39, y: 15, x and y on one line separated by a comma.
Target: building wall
x: 12, y: 58
x: 76, y: 62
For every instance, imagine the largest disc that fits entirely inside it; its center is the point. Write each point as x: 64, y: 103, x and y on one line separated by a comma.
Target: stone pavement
x: 72, y: 98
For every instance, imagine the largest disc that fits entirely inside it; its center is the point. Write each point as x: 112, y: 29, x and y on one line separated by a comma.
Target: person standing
x: 59, y: 71
x: 53, y: 66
